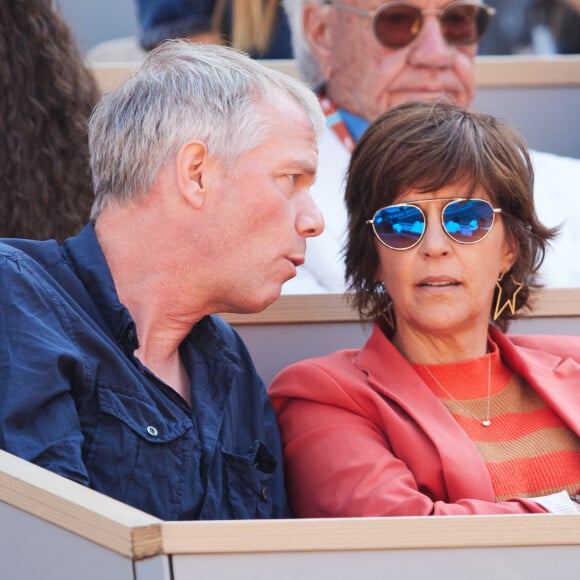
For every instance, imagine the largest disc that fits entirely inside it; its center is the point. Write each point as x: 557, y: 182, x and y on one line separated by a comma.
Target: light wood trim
x: 110, y: 75
x: 299, y: 309
x: 78, y: 509
x: 361, y: 534
x: 555, y: 302
x: 527, y: 71
x: 315, y: 308
x: 490, y: 71
x: 136, y: 535
x: 504, y: 71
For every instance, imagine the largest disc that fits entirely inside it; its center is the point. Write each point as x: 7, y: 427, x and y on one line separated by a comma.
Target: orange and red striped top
x: 528, y: 449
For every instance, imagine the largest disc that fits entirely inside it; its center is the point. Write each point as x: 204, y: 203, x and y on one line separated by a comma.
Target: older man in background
x: 363, y: 57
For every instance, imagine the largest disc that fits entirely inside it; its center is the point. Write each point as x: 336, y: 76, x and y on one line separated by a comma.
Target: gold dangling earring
x: 510, y: 302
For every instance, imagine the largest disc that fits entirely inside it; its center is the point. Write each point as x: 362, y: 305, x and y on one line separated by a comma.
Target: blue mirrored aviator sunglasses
x: 397, y: 24
x: 464, y: 220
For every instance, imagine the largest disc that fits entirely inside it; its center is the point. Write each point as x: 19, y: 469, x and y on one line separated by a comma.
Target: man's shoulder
x: 28, y: 247
x: 545, y: 157
x: 551, y: 169
x: 40, y: 272
x: 556, y: 199
x: 29, y: 255
x: 556, y: 183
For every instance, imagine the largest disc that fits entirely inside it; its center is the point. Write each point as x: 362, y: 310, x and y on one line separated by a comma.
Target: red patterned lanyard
x: 336, y: 122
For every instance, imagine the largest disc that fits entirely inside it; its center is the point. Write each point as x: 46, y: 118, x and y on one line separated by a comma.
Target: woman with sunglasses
x: 440, y: 412
x: 364, y: 57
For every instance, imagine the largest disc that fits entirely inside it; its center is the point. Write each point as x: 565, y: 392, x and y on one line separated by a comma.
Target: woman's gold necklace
x: 485, y: 422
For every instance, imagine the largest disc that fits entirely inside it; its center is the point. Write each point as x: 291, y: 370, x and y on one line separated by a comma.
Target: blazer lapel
x: 555, y: 378
x: 391, y: 375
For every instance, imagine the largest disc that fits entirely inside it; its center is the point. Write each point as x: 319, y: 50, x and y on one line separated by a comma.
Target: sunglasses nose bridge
x: 434, y: 228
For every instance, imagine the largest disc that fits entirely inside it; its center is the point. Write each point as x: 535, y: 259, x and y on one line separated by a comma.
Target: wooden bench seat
x: 54, y: 529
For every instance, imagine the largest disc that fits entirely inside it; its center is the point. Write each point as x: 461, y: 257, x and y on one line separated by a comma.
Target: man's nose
x: 430, y: 47
x: 309, y: 220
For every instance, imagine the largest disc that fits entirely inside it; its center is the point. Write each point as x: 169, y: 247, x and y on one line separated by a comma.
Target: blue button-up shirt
x: 74, y: 399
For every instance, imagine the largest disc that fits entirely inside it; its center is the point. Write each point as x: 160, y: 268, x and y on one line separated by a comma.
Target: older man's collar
x: 346, y: 126
x: 356, y: 125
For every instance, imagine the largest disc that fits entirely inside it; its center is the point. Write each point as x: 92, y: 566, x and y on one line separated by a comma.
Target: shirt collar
x: 90, y: 265
x: 356, y: 125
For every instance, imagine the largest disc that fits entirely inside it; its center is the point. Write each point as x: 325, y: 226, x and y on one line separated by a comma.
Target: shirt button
x: 130, y: 335
x: 152, y: 431
x: 264, y: 494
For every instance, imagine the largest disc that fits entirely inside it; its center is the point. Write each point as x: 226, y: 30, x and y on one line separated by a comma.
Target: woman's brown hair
x: 425, y: 147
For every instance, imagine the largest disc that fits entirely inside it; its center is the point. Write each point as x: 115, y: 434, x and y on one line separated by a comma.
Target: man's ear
x: 192, y: 165
x: 317, y: 33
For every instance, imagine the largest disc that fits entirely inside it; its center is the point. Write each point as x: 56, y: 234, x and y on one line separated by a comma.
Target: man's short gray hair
x: 182, y: 92
x: 307, y: 64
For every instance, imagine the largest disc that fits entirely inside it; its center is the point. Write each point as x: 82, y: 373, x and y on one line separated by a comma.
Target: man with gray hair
x: 114, y: 370
x: 363, y: 57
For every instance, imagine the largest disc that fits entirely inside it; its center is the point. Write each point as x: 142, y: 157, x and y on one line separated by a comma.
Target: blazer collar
x: 393, y: 378
x: 553, y: 377
x: 392, y: 375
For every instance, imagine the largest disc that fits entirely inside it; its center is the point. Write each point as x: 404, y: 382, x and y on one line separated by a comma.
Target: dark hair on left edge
x: 427, y: 146
x: 47, y: 94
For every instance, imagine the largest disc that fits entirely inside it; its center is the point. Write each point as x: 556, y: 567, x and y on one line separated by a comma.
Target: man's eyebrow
x: 305, y: 165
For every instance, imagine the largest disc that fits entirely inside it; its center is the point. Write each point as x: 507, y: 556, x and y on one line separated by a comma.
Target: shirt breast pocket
x: 248, y: 481
x: 139, y: 452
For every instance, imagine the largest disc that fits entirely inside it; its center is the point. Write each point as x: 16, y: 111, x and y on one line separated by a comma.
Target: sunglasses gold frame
x: 416, y: 29
x: 449, y: 200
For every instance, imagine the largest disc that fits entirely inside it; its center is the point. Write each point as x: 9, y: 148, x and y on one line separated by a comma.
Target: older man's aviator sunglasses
x: 397, y: 24
x: 464, y: 220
